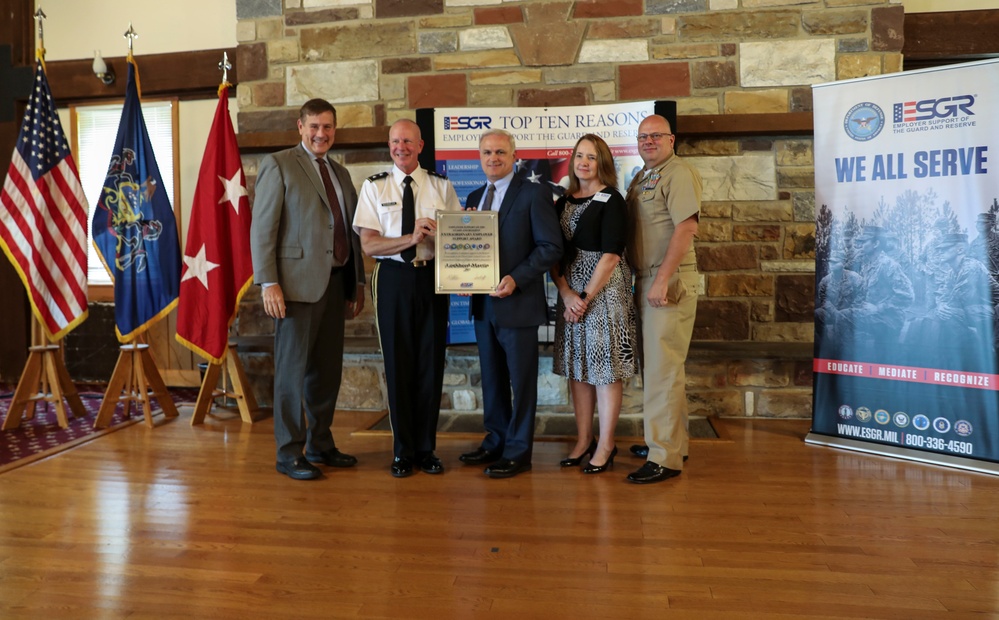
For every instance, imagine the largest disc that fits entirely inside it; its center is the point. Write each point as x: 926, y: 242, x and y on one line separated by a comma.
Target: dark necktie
x: 408, y: 216
x: 340, y: 251
x: 490, y: 194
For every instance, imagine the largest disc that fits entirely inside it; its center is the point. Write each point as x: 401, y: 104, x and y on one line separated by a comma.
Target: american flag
x: 43, y: 217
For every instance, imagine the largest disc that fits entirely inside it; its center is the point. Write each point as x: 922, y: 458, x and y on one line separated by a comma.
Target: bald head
x: 405, y: 145
x: 655, y: 140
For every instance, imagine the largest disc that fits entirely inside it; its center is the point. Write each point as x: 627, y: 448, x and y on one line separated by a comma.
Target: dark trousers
x: 308, y: 364
x: 508, y: 357
x: 412, y: 329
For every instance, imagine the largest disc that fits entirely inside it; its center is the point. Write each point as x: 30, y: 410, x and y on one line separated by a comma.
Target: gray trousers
x: 308, y: 363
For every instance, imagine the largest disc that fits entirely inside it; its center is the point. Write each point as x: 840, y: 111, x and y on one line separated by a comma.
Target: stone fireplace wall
x: 379, y: 60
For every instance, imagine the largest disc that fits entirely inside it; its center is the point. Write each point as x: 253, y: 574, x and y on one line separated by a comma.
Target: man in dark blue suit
x: 507, y: 320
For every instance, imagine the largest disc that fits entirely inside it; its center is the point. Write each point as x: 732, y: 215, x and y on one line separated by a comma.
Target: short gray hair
x: 499, y: 132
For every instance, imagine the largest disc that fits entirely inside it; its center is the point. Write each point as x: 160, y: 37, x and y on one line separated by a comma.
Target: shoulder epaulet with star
x: 434, y: 173
x: 380, y: 175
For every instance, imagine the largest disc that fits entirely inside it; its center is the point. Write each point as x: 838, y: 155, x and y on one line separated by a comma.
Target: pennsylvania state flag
x: 134, y: 229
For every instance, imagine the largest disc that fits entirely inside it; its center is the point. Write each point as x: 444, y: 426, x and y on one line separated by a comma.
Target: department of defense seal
x: 864, y: 121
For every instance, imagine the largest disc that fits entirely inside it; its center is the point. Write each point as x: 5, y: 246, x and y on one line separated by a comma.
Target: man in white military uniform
x: 396, y: 220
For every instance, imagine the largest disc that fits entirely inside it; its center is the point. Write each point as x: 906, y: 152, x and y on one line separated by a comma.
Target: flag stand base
x: 45, y: 375
x: 234, y: 385
x: 134, y: 380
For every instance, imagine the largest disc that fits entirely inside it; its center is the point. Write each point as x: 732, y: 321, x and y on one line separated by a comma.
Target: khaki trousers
x: 665, y: 338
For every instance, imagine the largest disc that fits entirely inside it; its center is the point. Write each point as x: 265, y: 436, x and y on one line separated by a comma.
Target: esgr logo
x: 929, y: 109
x: 454, y: 123
x: 864, y: 121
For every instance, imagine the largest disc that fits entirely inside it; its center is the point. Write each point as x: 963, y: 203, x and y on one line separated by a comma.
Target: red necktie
x: 340, y: 250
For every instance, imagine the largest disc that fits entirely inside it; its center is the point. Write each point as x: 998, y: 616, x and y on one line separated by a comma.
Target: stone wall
x: 378, y: 60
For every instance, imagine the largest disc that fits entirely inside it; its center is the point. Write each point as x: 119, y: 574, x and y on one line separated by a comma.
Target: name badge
x: 601, y: 197
x: 389, y: 204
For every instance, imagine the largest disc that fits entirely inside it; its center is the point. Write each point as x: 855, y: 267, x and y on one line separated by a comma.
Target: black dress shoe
x: 480, y: 456
x: 652, y: 472
x: 299, y: 469
x: 333, y: 458
x: 430, y: 464
x: 506, y: 468
x: 574, y: 461
x: 402, y: 467
x: 590, y: 468
x: 642, y: 450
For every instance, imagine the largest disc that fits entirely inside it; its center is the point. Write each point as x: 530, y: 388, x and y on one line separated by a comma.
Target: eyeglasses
x: 656, y: 137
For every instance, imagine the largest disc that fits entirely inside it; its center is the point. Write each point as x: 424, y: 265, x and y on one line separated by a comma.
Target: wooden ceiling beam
x: 178, y: 74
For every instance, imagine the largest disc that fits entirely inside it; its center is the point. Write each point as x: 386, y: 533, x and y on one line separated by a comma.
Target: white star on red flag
x: 198, y: 267
x: 234, y: 189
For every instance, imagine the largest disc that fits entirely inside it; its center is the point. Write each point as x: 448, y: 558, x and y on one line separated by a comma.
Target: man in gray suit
x: 308, y: 260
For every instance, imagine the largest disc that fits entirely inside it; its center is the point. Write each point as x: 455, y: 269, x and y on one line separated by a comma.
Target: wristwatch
x: 582, y: 295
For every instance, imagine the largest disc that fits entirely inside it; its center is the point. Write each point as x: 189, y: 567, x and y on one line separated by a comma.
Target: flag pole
x: 44, y: 378
x: 235, y: 384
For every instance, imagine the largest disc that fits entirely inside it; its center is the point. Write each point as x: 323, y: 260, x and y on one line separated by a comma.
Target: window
x: 95, y: 128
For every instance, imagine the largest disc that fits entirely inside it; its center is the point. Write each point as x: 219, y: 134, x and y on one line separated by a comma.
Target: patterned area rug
x: 41, y: 436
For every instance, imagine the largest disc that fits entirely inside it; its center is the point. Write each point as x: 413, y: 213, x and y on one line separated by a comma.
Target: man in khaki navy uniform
x: 664, y: 199
x: 396, y: 220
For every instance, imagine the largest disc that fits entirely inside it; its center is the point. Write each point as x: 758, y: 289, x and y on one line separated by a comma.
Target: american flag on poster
x: 43, y: 216
x: 217, y: 265
x: 134, y: 228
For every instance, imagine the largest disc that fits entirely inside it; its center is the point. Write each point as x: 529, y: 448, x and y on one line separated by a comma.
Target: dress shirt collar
x: 312, y: 156
x: 419, y: 175
x: 501, y: 186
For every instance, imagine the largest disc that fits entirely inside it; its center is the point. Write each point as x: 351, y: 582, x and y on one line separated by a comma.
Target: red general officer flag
x: 43, y: 217
x: 217, y: 265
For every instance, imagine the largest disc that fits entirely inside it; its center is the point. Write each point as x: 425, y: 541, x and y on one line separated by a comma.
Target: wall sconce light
x: 104, y: 73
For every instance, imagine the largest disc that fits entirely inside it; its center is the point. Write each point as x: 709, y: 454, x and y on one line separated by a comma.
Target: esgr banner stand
x: 907, y: 266
x: 544, y: 138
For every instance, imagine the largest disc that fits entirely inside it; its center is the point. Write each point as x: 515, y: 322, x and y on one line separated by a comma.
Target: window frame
x: 105, y: 292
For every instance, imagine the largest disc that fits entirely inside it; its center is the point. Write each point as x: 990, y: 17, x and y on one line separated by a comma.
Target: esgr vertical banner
x: 907, y: 265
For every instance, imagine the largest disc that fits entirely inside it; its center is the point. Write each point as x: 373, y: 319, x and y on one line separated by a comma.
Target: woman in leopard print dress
x: 595, y: 333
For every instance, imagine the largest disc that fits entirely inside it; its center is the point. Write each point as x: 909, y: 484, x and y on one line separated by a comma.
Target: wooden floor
x: 182, y: 522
